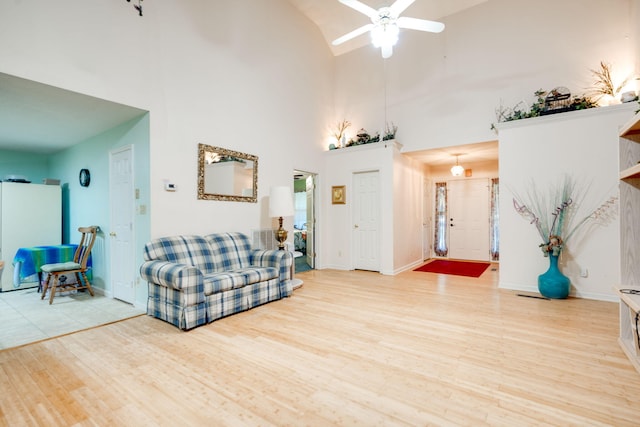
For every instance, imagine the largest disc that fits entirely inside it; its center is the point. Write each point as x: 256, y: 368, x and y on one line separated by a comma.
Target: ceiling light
x: 386, y: 23
x: 457, y: 170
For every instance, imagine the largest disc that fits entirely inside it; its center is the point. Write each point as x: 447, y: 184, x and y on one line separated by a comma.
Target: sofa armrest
x: 282, y: 260
x: 172, y: 275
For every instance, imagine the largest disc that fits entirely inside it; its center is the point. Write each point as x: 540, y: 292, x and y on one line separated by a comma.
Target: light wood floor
x: 349, y: 348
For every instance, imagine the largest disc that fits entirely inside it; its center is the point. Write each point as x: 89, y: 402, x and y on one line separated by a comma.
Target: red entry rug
x: 457, y: 268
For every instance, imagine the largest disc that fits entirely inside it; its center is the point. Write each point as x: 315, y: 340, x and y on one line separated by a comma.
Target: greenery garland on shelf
x: 559, y: 99
x: 362, y: 137
x: 540, y: 107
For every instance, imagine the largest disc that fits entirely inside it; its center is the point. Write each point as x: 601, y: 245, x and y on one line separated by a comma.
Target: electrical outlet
x: 584, y: 272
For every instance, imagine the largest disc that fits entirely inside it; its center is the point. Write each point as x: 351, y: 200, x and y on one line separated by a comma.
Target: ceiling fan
x: 386, y: 23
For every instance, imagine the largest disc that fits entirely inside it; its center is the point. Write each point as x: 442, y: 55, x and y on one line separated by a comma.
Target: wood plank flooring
x: 349, y: 348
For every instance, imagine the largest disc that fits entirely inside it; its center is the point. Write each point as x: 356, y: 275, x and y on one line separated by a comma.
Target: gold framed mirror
x: 227, y: 175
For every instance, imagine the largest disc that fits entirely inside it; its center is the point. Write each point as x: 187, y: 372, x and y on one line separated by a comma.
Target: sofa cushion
x: 190, y: 250
x: 227, y: 280
x: 231, y: 251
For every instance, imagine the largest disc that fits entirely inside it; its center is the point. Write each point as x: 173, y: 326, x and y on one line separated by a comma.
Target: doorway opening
x: 467, y: 219
x: 304, y: 220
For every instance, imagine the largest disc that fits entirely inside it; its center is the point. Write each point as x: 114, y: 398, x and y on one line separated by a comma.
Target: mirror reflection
x: 226, y: 175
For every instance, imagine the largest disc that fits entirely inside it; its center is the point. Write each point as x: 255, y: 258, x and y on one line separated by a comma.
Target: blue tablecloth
x: 31, y: 259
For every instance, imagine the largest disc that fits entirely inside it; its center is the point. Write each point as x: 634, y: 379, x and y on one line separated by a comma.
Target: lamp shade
x: 280, y: 201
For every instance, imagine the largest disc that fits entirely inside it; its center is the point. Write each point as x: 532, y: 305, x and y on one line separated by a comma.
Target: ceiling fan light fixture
x: 385, y: 35
x: 385, y: 24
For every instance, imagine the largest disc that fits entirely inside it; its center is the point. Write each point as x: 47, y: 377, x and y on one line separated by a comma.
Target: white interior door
x: 311, y: 221
x: 122, y: 271
x: 469, y: 219
x: 366, y: 221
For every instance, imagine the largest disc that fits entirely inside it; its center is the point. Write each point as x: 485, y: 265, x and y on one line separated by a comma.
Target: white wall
x: 400, y: 206
x: 257, y: 77
x: 337, y: 222
x: 251, y: 76
x: 407, y: 218
x: 258, y: 81
x: 583, y: 145
x: 443, y: 89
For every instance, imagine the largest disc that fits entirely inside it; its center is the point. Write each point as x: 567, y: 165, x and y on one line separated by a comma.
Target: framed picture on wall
x: 338, y: 195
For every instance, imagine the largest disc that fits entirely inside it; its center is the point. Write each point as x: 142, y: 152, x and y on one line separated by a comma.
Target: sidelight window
x: 440, y: 238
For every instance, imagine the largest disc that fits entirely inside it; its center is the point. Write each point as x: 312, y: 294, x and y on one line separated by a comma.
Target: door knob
x: 355, y: 226
x: 112, y: 234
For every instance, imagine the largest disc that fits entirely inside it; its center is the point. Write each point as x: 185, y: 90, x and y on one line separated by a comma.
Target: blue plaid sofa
x: 194, y: 280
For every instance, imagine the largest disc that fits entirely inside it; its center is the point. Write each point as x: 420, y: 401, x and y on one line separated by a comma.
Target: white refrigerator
x: 30, y: 215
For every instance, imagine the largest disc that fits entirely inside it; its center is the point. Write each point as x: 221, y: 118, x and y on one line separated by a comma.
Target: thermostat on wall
x: 169, y: 186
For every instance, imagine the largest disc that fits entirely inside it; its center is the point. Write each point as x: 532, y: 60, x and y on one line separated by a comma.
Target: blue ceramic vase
x: 552, y: 283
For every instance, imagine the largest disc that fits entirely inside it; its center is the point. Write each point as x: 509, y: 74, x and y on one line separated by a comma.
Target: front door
x: 121, y: 235
x: 469, y: 219
x: 366, y: 221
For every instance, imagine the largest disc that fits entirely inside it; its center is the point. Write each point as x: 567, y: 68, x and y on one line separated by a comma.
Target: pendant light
x: 457, y: 170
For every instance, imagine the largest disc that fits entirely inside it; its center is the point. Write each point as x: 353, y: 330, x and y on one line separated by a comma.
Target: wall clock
x: 85, y: 177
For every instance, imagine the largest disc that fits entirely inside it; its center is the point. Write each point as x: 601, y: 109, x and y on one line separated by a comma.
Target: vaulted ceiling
x: 334, y: 19
x: 40, y: 118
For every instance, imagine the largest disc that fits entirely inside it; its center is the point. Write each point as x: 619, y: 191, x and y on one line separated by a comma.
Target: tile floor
x: 25, y: 318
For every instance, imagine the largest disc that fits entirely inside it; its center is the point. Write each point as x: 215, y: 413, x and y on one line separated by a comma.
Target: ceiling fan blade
x: 352, y: 34
x: 399, y: 6
x: 420, y: 24
x: 360, y: 7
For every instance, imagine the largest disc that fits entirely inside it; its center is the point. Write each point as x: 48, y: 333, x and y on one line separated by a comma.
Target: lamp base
x: 281, y: 235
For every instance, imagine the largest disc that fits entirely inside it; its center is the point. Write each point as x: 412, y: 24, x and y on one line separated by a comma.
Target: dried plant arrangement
x: 340, y: 128
x: 603, y: 84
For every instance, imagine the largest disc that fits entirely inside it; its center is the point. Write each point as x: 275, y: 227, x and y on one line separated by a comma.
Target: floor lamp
x: 280, y: 205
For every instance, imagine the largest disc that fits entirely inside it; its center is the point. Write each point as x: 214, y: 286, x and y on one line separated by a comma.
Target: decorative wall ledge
x: 569, y: 115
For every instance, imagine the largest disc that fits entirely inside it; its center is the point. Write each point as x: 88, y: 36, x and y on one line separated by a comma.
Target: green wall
x: 90, y: 205
x: 34, y: 167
